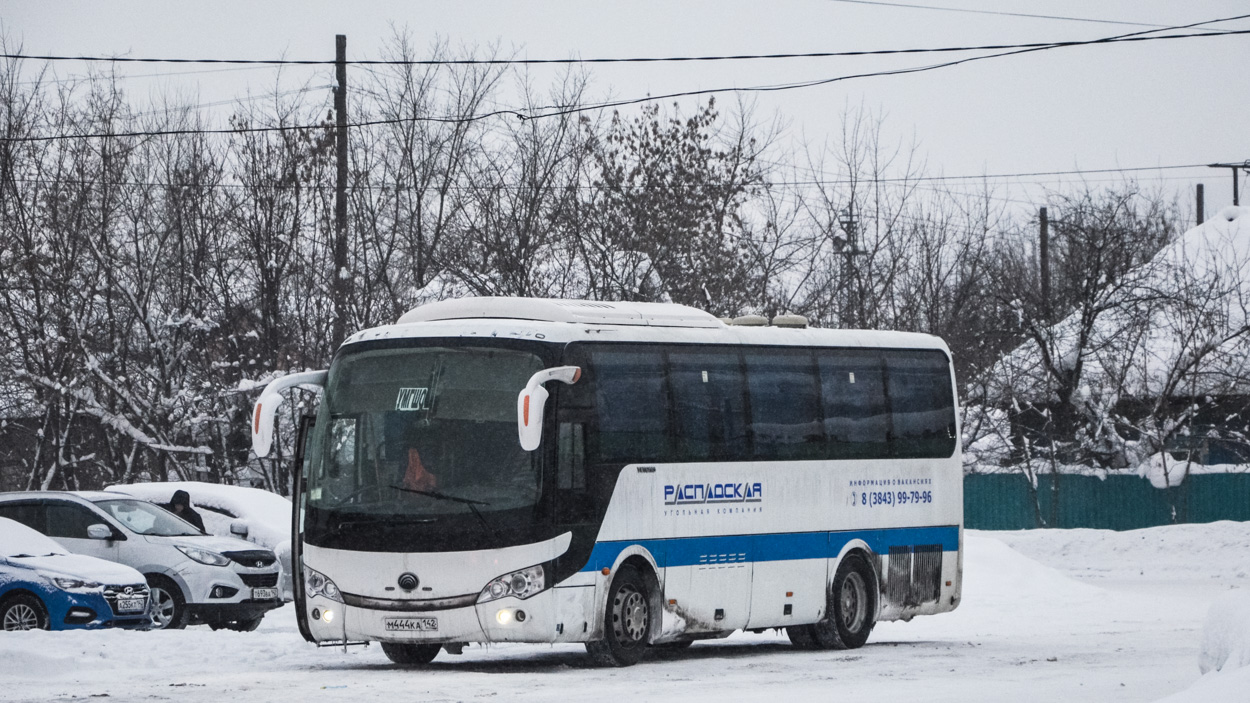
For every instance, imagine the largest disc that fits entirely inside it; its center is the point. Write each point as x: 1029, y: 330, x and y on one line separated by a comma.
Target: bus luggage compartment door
x: 713, y: 595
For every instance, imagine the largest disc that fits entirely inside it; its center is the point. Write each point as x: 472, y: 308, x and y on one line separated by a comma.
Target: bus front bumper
x: 503, y: 620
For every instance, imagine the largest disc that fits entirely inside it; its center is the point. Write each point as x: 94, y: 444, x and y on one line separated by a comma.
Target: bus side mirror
x: 267, y: 407
x: 532, y: 400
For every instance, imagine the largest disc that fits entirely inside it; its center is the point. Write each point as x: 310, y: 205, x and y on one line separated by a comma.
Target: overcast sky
x: 1099, y: 107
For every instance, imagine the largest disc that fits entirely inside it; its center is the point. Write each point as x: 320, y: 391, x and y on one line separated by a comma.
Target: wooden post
x: 1043, y: 250
x: 1202, y: 217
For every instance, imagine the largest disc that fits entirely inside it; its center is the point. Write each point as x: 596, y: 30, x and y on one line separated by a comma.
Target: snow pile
x: 267, y: 515
x: 1163, y: 471
x: 1211, y: 552
x: 1226, y: 636
x: 1002, y: 572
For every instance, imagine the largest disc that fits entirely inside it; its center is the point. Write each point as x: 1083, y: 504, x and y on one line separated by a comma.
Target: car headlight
x: 204, y: 556
x: 73, y: 584
x: 518, y: 584
x: 317, y: 584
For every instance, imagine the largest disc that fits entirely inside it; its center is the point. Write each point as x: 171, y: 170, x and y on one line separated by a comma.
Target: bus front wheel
x: 626, y: 621
x: 410, y: 654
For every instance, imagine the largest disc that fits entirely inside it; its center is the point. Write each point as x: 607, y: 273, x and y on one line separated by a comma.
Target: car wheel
x: 244, y: 625
x: 410, y: 654
x: 169, y: 607
x: 23, y: 612
x: 626, y: 621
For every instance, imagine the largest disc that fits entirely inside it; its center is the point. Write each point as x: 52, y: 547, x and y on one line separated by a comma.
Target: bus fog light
x: 504, y: 617
x: 328, y: 615
x: 520, y: 616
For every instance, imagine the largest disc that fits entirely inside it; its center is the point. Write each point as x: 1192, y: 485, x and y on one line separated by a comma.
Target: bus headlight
x: 316, y: 584
x: 518, y: 584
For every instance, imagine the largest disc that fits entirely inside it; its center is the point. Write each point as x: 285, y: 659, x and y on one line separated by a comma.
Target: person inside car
x: 416, y: 476
x: 180, y: 505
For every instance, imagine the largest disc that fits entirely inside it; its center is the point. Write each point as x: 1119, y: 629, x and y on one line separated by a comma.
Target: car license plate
x: 264, y: 594
x: 131, y: 605
x: 411, y: 624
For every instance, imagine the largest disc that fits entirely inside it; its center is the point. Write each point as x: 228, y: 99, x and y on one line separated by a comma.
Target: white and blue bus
x: 625, y: 475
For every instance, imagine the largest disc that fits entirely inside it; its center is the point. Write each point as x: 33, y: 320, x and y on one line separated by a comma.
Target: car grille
x: 252, y: 558
x: 134, y: 590
x: 260, y: 580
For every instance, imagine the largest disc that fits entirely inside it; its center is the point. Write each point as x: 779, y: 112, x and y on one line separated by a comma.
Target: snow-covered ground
x: 1071, y: 615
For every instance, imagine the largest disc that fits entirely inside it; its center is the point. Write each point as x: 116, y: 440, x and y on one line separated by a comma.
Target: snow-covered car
x: 193, y: 577
x: 250, y: 513
x: 43, y: 586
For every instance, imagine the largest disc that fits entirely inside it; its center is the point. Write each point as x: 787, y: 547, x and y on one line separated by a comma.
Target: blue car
x: 42, y: 586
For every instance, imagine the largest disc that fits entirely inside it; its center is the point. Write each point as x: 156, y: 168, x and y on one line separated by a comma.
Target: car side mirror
x: 532, y: 400
x: 98, y: 531
x: 238, y: 528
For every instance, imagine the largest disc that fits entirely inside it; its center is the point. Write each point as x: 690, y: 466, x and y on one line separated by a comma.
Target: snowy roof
x: 16, y: 538
x: 1184, y: 309
x: 557, y: 310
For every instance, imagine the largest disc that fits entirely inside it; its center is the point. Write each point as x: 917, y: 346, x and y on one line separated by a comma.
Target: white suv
x: 194, y: 577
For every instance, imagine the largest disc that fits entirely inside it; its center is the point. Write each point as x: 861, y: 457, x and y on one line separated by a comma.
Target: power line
x: 840, y: 180
x: 602, y: 60
x: 997, y: 12
x: 556, y: 111
x: 231, y: 101
x: 999, y: 176
x: 128, y: 76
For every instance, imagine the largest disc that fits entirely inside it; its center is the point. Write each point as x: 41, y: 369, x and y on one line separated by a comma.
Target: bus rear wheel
x: 410, y: 654
x: 850, y: 613
x: 626, y: 621
x: 852, y: 608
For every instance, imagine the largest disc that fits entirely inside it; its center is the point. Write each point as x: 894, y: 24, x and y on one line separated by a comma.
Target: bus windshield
x: 420, y: 435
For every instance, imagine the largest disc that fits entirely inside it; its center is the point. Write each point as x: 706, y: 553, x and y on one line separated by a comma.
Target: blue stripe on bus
x: 690, y: 551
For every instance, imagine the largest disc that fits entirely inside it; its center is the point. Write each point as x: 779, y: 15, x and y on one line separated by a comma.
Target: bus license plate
x: 411, y: 624
x: 131, y: 605
x: 264, y: 594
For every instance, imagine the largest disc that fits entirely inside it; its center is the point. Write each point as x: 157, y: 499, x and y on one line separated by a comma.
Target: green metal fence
x: 1004, y: 501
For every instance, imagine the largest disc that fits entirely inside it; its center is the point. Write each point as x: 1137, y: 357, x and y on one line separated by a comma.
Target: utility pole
x: 1237, y: 168
x: 1043, y: 251
x: 341, y: 285
x: 1202, y: 215
x: 851, y: 315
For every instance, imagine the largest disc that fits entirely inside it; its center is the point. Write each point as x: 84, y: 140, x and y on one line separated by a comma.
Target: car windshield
x: 145, y: 518
x: 424, y: 432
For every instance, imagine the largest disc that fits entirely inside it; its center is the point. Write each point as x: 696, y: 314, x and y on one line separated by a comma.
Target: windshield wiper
x: 441, y: 496
x: 390, y: 520
x: 456, y: 499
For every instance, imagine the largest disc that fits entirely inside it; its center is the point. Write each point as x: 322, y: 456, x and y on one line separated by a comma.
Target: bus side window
x: 921, y: 403
x: 785, y: 409
x: 857, y: 423
x: 632, y: 403
x: 709, y: 399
